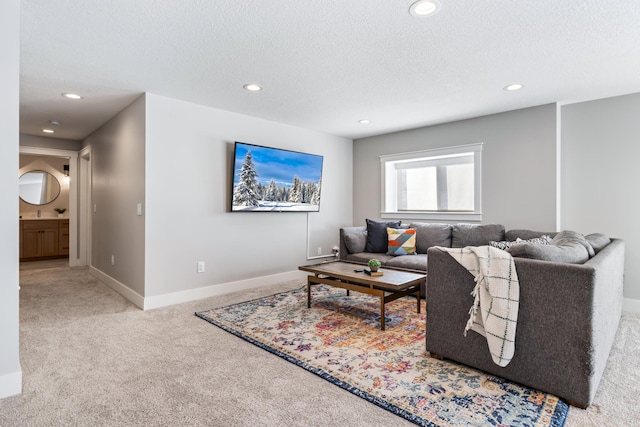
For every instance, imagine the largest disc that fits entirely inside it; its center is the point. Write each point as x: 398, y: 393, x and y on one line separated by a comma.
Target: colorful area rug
x: 339, y: 339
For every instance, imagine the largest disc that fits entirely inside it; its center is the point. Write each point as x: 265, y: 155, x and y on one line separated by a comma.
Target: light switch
x: 139, y: 209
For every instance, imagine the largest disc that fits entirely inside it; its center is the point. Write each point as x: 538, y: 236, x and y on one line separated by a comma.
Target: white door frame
x: 84, y: 206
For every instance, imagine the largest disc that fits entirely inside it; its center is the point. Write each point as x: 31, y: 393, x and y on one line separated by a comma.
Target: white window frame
x: 389, y: 185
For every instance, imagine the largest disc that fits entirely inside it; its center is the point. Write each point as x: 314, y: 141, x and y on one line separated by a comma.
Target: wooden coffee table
x: 393, y: 284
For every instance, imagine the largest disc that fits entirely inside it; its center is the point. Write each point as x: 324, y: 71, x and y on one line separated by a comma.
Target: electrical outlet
x: 319, y: 251
x: 200, y: 266
x: 113, y: 260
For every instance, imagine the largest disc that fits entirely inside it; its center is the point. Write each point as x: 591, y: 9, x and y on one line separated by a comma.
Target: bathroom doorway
x: 74, y: 176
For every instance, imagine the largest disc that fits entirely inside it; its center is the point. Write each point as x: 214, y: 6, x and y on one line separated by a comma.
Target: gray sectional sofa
x: 356, y: 242
x: 570, y: 302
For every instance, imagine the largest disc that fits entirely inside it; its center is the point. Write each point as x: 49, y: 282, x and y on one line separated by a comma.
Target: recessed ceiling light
x: 252, y: 87
x: 71, y: 96
x: 423, y: 8
x: 47, y: 131
x: 512, y: 87
x: 54, y: 122
x: 364, y: 121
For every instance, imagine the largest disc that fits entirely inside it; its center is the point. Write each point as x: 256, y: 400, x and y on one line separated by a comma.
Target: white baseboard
x: 120, y: 288
x: 10, y: 384
x: 193, y: 294
x: 220, y: 289
x: 631, y: 305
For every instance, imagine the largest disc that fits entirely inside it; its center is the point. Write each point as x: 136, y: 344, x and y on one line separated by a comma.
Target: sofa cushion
x: 355, y: 241
x: 505, y: 244
x: 377, y: 235
x: 364, y: 257
x: 567, y: 246
x: 401, y: 241
x: 515, y: 234
x: 475, y: 234
x: 597, y: 241
x: 431, y: 234
x: 414, y: 262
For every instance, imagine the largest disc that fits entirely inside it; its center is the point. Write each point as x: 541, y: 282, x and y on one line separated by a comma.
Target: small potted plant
x: 60, y: 211
x: 374, y: 264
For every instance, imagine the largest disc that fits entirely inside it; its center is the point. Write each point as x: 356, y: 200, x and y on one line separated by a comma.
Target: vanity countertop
x: 41, y: 218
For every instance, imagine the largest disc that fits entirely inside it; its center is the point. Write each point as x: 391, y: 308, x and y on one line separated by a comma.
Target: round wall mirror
x: 38, y: 187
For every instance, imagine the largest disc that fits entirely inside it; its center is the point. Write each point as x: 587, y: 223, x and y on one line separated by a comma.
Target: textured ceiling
x: 324, y: 64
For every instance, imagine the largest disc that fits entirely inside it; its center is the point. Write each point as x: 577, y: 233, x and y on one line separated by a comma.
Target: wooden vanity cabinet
x: 44, y: 238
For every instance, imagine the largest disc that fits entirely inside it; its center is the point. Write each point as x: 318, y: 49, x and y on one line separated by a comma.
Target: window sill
x: 439, y: 216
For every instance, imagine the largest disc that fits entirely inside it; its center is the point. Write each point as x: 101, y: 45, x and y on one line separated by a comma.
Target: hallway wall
x: 10, y: 371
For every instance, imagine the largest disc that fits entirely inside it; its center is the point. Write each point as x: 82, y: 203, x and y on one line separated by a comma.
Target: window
x: 433, y: 184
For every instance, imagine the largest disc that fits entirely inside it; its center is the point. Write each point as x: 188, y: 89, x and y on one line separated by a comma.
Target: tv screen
x: 275, y: 180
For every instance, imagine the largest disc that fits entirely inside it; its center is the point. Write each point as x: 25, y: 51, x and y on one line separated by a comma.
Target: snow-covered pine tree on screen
x: 269, y: 179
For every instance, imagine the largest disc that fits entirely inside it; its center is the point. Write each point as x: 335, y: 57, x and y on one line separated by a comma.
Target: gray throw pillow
x: 597, y: 241
x: 355, y: 241
x: 377, y: 239
x: 567, y: 246
x: 476, y: 234
x: 431, y: 234
x: 568, y: 237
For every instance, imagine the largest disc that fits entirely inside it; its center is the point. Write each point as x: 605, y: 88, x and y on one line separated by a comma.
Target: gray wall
x: 518, y: 164
x: 189, y: 150
x: 600, y: 174
x: 118, y: 185
x: 10, y: 372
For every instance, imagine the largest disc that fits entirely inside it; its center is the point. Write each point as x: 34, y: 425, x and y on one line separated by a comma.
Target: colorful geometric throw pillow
x: 401, y: 241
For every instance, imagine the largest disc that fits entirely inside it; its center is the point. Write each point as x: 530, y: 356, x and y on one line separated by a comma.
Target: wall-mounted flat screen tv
x: 269, y: 179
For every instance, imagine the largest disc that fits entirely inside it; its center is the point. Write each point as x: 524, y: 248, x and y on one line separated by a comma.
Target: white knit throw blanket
x: 497, y: 291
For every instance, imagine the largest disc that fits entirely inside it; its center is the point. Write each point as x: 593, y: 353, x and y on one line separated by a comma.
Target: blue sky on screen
x: 279, y: 165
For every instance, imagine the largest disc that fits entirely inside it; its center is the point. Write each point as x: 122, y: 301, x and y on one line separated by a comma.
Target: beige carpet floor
x: 91, y: 358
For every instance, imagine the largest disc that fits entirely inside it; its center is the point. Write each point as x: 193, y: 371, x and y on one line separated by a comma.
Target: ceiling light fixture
x: 71, y: 96
x: 47, y: 131
x: 252, y: 87
x: 54, y: 122
x: 424, y: 8
x: 514, y: 86
x: 364, y: 121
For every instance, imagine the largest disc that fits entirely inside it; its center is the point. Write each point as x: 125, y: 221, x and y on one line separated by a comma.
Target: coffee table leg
x: 382, y: 312
x: 308, y: 291
x: 418, y: 298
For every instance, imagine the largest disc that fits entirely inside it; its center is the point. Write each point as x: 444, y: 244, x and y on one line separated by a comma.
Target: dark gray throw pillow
x: 377, y: 240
